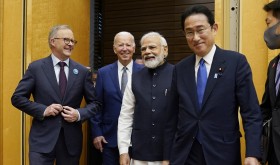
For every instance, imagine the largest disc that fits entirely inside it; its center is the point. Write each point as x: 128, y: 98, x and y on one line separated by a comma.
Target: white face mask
x: 272, y: 39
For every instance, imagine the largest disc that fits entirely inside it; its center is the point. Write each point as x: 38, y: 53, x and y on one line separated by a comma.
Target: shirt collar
x: 208, y: 58
x: 56, y: 60
x: 129, y: 66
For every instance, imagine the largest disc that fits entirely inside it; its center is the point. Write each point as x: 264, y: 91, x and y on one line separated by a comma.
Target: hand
x: 53, y: 110
x: 165, y: 162
x: 70, y: 114
x: 251, y: 161
x: 97, y: 142
x: 124, y: 159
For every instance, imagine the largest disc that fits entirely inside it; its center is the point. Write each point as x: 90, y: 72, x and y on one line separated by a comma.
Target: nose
x: 147, y: 50
x: 196, y: 36
x: 124, y: 47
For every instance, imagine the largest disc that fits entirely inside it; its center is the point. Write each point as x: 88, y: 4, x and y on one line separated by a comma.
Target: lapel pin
x: 75, y: 71
x: 216, y: 75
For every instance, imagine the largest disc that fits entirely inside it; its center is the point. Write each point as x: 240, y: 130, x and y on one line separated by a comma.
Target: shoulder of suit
x: 39, y: 62
x: 107, y: 67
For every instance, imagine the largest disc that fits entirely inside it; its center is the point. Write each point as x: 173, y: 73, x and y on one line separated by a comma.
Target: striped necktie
x: 277, y: 78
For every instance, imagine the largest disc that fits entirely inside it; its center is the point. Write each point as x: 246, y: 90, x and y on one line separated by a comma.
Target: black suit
x: 271, y: 108
x: 40, y: 82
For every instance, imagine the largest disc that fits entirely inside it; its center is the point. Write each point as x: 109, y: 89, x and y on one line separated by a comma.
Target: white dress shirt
x: 125, y: 125
x: 129, y: 71
x: 208, y: 61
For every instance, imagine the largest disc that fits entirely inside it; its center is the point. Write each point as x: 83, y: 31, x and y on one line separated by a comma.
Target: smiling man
x: 142, y: 118
x: 57, y: 85
x: 209, y: 89
x: 110, y: 84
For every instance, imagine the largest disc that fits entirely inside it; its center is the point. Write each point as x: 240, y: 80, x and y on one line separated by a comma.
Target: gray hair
x: 124, y: 33
x: 54, y: 31
x: 154, y: 34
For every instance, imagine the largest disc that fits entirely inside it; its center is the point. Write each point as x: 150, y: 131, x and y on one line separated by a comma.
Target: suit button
x: 154, y: 97
x: 155, y: 74
x: 153, y: 137
x: 153, y: 124
x: 154, y: 85
x: 153, y: 110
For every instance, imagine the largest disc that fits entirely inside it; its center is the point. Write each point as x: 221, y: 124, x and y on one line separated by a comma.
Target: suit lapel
x: 218, y: 66
x: 115, y: 78
x: 48, y: 69
x: 189, y: 79
x: 271, y: 76
x: 72, y: 75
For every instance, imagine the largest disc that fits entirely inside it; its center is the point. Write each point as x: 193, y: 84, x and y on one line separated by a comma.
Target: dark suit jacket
x: 271, y: 104
x: 229, y: 86
x: 108, y: 92
x: 40, y: 82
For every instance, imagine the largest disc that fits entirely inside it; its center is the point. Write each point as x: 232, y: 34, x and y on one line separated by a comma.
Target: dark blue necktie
x: 62, y: 79
x: 201, y: 81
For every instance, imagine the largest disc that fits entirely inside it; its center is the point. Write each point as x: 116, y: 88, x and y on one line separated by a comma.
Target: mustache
x: 149, y: 56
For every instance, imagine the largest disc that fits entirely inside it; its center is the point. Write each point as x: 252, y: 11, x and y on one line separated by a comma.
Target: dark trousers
x: 196, y: 156
x: 59, y: 155
x: 111, y: 156
x: 272, y: 159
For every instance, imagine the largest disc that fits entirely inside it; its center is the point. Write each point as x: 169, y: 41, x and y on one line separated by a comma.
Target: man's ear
x: 165, y: 51
x: 52, y: 42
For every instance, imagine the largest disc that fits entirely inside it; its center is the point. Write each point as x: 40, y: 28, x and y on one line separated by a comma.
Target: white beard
x: 155, y: 62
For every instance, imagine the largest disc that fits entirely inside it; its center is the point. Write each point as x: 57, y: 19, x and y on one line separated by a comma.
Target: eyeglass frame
x: 68, y: 40
x: 199, y: 31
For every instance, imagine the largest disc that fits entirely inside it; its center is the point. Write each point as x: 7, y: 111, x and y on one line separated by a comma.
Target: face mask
x: 272, y: 39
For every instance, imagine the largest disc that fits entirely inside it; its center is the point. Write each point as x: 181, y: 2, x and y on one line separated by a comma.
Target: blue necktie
x: 124, y: 79
x: 201, y: 81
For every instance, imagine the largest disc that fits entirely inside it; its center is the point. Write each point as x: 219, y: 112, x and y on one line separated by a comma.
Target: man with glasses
x: 208, y: 91
x: 57, y: 85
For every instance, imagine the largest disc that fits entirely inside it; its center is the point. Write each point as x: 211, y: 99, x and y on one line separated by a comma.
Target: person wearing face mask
x: 270, y: 105
x: 142, y: 118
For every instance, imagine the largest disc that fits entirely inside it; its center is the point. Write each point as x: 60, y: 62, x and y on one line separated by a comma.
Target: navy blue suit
x: 109, y: 94
x: 40, y: 82
x: 229, y: 87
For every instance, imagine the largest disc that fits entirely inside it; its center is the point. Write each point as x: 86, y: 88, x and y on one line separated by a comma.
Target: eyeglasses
x: 68, y: 40
x: 199, y: 31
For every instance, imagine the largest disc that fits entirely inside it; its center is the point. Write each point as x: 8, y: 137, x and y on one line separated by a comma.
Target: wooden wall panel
x: 140, y: 17
x: 1, y: 78
x: 11, y: 69
x: 24, y: 28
